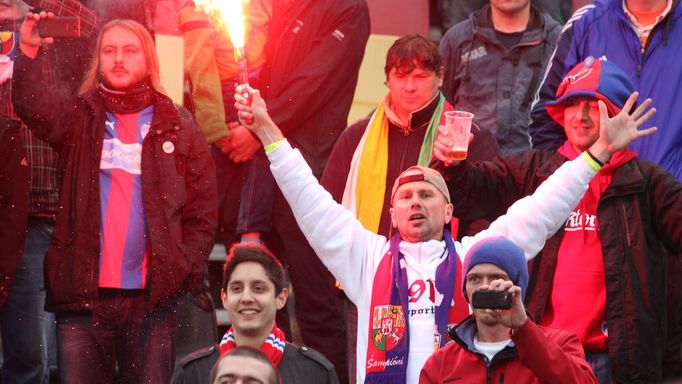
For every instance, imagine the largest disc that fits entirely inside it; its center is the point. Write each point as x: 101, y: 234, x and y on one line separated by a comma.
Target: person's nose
x: 247, y: 296
x: 119, y: 56
x: 584, y: 112
x: 410, y: 84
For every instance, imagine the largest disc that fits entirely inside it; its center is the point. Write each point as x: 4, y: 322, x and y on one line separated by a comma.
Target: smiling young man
x: 137, y: 207
x: 603, y: 275
x: 254, y: 289
x: 405, y: 291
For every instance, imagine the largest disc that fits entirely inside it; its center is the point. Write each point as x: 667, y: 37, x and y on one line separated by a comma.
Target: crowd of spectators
x: 568, y: 206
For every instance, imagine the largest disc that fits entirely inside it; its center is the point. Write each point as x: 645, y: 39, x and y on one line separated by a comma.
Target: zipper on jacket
x: 627, y: 227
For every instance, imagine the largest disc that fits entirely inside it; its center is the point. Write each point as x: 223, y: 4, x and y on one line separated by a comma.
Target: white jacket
x: 352, y: 253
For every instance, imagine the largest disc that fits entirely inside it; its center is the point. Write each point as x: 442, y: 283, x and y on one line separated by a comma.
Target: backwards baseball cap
x: 600, y: 79
x: 502, y: 252
x: 419, y: 173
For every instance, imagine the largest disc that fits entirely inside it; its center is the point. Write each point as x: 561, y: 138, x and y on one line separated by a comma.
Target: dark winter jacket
x: 298, y: 365
x: 311, y: 70
x: 497, y: 84
x: 179, y: 193
x: 640, y: 225
x: 14, y: 174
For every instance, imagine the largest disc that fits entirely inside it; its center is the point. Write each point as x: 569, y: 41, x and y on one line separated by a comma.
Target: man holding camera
x: 498, y: 342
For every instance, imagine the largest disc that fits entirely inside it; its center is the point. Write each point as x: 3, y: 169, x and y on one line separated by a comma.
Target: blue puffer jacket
x: 602, y: 29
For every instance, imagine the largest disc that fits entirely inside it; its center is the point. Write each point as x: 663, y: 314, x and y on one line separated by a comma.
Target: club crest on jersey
x: 576, y: 77
x: 388, y: 326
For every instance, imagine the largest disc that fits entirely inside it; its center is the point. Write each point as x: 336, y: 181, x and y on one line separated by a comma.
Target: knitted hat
x: 419, y: 173
x: 600, y: 79
x: 502, y: 252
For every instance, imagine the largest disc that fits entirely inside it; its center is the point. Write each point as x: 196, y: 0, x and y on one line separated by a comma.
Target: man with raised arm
x: 396, y: 334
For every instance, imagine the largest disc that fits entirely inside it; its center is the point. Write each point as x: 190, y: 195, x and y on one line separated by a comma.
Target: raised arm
x: 531, y: 220
x: 345, y: 247
x: 40, y: 106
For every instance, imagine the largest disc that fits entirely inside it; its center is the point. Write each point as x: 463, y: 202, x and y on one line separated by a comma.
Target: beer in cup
x: 458, y: 126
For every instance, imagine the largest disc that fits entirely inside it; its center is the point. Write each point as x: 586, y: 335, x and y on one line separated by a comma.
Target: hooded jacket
x: 178, y: 185
x: 497, y: 84
x: 640, y: 225
x: 601, y: 28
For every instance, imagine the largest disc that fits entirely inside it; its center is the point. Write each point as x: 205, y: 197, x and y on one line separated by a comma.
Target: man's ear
x: 448, y: 213
x: 281, y: 298
x: 393, y: 221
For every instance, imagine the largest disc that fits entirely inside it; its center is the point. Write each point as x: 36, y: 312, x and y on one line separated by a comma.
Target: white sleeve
x: 533, y: 219
x: 346, y: 248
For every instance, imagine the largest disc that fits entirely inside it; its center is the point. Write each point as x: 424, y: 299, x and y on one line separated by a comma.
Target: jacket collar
x: 417, y: 118
x: 464, y: 333
x: 483, y: 26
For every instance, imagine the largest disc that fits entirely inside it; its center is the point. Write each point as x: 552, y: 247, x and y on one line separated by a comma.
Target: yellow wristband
x: 590, y: 161
x: 272, y: 146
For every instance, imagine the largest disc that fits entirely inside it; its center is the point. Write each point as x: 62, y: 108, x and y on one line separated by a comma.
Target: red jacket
x: 538, y: 355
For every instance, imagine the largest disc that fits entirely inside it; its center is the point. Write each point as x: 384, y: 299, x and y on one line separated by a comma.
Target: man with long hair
x: 137, y: 215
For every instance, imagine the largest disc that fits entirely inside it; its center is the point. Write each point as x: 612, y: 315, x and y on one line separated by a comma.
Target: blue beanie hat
x: 502, y: 252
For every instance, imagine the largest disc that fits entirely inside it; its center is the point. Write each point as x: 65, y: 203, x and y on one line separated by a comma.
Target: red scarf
x: 273, y: 347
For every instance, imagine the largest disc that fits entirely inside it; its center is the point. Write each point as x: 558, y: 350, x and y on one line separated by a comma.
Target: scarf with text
x: 273, y: 347
x: 389, y: 342
x: 366, y: 183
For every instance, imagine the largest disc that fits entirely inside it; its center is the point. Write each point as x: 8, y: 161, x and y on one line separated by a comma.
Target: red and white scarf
x: 273, y: 347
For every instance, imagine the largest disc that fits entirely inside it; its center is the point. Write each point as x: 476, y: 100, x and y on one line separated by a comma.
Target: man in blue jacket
x: 641, y: 37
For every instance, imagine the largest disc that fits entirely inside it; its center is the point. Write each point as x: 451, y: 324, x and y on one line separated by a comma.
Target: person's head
x: 124, y: 57
x: 12, y: 9
x: 490, y: 259
x: 244, y: 365
x: 253, y: 289
x: 420, y: 204
x: 576, y: 106
x: 510, y: 7
x: 414, y: 72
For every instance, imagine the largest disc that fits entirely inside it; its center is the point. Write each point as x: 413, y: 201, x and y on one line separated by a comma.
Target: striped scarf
x: 273, y: 347
x: 388, y: 344
x: 366, y: 183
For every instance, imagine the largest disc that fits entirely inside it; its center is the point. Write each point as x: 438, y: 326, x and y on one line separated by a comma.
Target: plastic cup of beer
x: 458, y: 126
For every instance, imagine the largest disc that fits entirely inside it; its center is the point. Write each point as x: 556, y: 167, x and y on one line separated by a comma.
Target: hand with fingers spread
x: 30, y: 41
x: 254, y: 115
x: 617, y: 132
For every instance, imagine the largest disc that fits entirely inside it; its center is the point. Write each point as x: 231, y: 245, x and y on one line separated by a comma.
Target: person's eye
x: 235, y: 289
